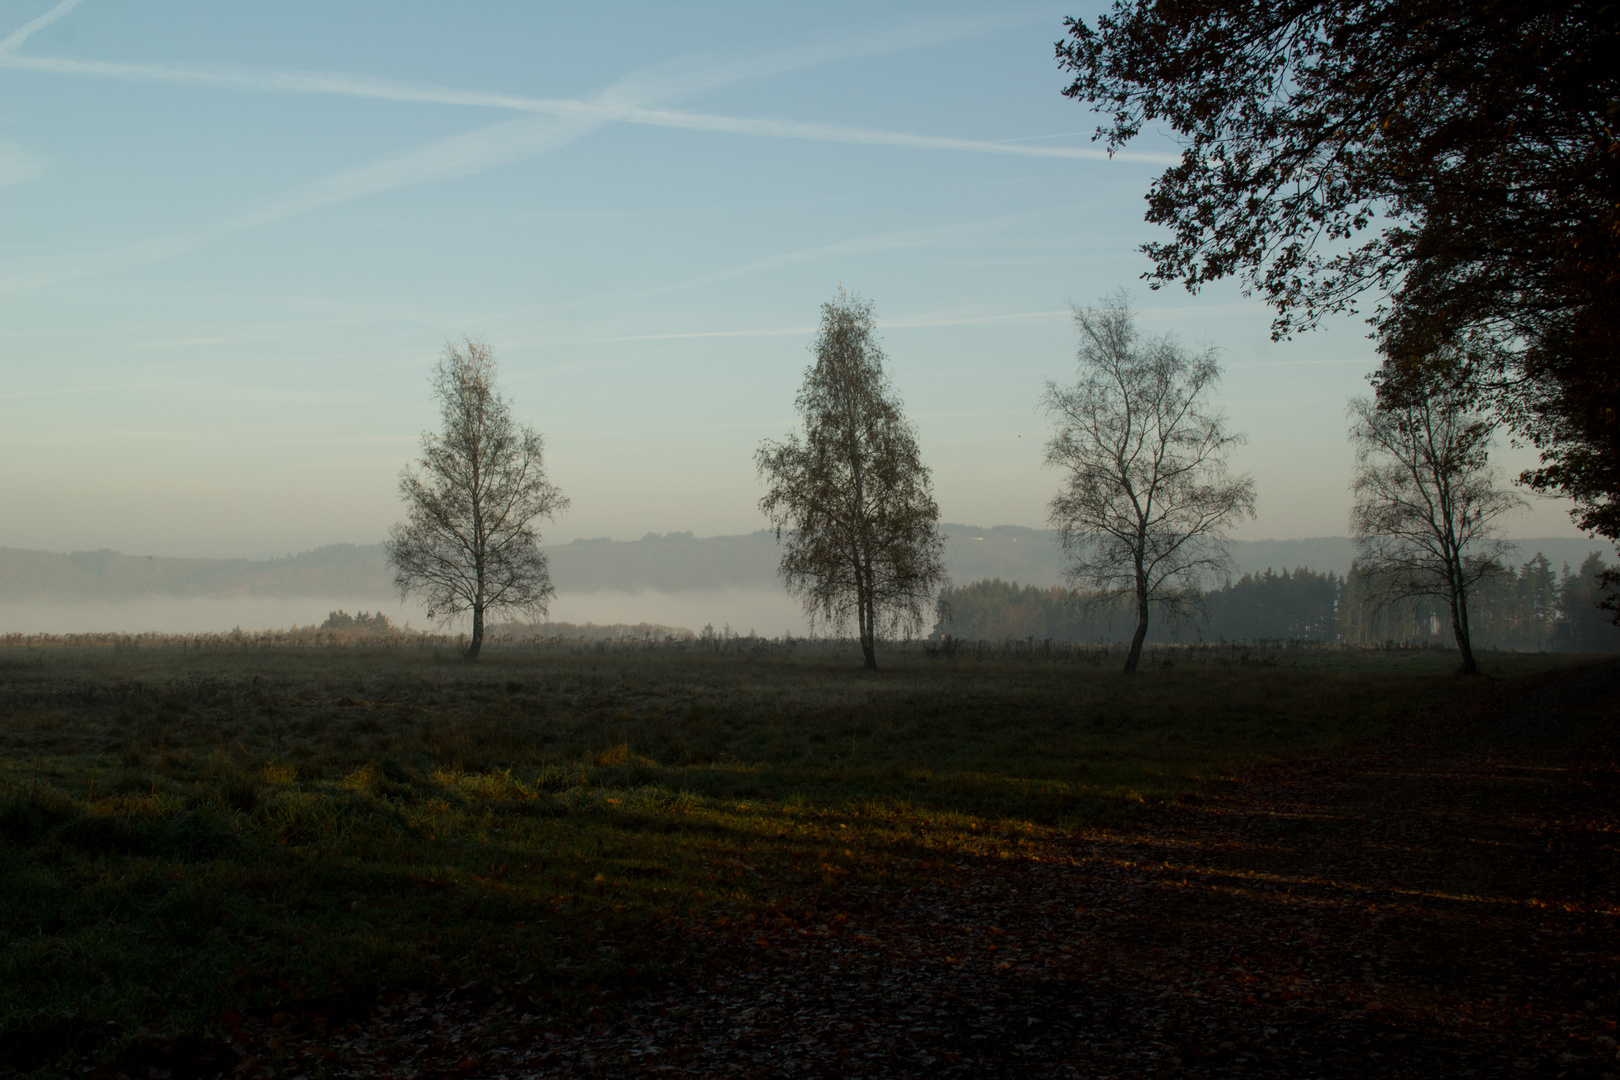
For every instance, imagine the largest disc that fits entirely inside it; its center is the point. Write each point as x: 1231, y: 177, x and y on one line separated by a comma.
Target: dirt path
x: 1442, y: 904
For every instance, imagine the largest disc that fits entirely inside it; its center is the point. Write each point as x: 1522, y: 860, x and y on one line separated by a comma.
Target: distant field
x: 186, y: 832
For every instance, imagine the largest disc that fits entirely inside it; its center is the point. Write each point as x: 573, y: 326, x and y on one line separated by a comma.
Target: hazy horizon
x: 674, y: 580
x: 1516, y: 536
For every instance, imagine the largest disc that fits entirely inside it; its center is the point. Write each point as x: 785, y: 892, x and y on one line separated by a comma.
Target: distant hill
x: 672, y: 562
x: 1031, y: 556
x: 336, y: 570
x: 1008, y: 552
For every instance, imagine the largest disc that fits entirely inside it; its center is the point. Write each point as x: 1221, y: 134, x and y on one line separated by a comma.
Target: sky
x: 234, y: 238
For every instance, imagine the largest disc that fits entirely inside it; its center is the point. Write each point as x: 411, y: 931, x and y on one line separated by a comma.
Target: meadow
x: 192, y: 830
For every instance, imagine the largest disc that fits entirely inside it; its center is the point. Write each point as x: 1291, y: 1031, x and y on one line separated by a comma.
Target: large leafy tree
x: 851, y: 500
x: 1456, y: 161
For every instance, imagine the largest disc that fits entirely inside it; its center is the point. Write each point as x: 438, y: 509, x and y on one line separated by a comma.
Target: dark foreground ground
x: 1440, y: 904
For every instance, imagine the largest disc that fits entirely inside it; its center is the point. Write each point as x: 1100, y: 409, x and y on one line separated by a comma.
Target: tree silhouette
x: 1146, y: 497
x: 851, y: 500
x: 469, y: 543
x: 1427, y: 502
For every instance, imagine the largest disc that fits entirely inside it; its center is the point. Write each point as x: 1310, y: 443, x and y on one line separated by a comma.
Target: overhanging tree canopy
x: 1460, y: 159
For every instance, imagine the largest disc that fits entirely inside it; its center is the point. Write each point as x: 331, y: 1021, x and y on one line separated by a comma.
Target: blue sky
x: 233, y: 238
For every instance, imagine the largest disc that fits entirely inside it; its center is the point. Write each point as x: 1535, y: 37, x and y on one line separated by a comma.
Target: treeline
x: 1532, y: 607
x: 360, y: 623
x: 342, y: 630
x: 611, y: 632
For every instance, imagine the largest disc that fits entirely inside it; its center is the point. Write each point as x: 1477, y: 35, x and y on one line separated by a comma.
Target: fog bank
x: 768, y: 612
x: 187, y: 615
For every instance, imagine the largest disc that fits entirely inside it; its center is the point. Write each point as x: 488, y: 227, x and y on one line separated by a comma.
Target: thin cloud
x: 23, y: 32
x: 974, y: 320
x: 458, y: 156
x: 861, y: 244
x: 50, y: 269
x: 18, y: 165
x: 559, y: 122
x: 73, y: 391
x: 608, y: 108
x: 683, y: 75
x: 932, y: 236
x: 626, y: 101
x: 699, y: 72
x: 1052, y: 135
x: 914, y: 322
x: 903, y: 323
x: 876, y: 242
x: 856, y: 246
x: 838, y: 133
x: 780, y: 331
x: 276, y: 80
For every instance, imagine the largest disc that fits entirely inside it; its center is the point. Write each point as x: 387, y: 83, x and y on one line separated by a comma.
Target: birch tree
x: 1146, y: 496
x: 1427, y: 500
x: 469, y: 541
x: 850, y: 500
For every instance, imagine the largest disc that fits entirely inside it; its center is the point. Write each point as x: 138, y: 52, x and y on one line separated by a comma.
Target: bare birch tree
x: 470, y: 543
x: 851, y: 500
x: 1427, y: 501
x: 1146, y: 497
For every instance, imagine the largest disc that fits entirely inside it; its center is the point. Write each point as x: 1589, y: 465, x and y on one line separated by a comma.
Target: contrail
x: 604, y: 109
x: 275, y: 80
x: 551, y: 123
x: 22, y: 33
x: 794, y: 129
x: 459, y: 155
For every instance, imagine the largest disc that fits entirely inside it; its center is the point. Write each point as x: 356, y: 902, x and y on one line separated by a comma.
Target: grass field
x: 188, y: 833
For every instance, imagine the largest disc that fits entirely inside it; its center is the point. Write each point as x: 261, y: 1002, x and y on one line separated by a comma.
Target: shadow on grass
x: 185, y: 837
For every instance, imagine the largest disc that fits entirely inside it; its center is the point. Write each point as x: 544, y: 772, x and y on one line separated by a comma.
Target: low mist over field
x: 673, y: 579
